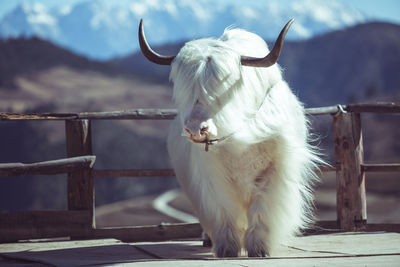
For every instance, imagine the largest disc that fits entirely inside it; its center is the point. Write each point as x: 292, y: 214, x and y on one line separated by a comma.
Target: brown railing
x: 79, y: 222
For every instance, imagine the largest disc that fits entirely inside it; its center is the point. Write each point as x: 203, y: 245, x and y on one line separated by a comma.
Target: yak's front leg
x: 275, y: 212
x: 220, y: 222
x: 219, y: 211
x: 257, y: 233
x: 226, y: 241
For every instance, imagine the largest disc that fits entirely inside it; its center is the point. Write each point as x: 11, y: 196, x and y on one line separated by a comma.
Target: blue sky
x: 386, y: 10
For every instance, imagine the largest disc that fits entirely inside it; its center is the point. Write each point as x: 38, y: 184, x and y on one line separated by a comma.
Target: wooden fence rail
x: 169, y: 114
x: 389, y: 167
x: 79, y: 222
x: 47, y: 167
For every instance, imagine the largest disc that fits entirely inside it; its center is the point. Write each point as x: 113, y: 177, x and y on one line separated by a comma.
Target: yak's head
x: 206, y: 73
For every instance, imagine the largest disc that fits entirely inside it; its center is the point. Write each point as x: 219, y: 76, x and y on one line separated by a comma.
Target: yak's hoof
x: 207, y: 243
x: 260, y: 253
x: 226, y: 253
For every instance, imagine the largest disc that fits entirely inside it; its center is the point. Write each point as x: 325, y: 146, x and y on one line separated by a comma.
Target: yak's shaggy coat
x: 252, y: 189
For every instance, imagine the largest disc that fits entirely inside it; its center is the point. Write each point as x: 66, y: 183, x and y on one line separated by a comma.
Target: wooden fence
x: 78, y: 221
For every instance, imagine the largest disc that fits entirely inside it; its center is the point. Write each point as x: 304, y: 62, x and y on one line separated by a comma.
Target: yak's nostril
x: 203, y: 129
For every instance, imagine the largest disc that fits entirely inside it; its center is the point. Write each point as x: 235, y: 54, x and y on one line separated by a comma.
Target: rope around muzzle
x: 207, y: 141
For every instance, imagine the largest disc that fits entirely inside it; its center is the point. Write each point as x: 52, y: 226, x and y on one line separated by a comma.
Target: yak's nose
x: 199, y: 135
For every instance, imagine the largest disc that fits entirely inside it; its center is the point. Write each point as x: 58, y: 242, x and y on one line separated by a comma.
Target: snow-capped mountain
x: 103, y: 29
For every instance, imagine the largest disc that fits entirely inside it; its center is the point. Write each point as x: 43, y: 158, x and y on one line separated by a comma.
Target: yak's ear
x: 273, y: 56
x: 149, y: 53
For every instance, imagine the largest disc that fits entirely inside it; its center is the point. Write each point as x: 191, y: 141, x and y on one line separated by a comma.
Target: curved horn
x: 273, y: 56
x: 149, y: 53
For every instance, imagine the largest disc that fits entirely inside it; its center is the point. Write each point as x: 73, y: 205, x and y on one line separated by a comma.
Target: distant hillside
x: 344, y: 66
x: 137, y: 64
x: 24, y: 56
x: 350, y: 65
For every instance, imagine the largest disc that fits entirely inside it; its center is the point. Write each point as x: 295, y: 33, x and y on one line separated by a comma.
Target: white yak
x: 239, y: 144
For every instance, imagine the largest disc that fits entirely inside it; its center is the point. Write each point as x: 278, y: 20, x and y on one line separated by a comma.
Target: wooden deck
x: 336, y: 249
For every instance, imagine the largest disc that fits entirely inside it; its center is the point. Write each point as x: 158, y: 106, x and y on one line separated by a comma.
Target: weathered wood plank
x: 38, y: 116
x: 387, y: 227
x: 378, y: 107
x: 350, y: 178
x: 193, y: 230
x: 168, y: 114
x: 47, y: 167
x: 77, y: 163
x: 16, y: 226
x: 133, y: 173
x: 42, y: 218
x: 134, y: 114
x: 80, y: 183
x: 388, y: 167
x: 48, y: 224
x: 150, y: 233
x: 322, y: 110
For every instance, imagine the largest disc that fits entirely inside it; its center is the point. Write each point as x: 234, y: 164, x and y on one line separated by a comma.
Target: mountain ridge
x: 100, y: 30
x: 359, y: 63
x: 370, y: 51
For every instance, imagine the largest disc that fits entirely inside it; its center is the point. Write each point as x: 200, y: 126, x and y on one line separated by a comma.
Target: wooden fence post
x: 80, y: 183
x: 350, y: 177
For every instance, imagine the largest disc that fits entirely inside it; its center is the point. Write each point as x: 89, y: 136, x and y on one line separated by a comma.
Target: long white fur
x: 253, y: 190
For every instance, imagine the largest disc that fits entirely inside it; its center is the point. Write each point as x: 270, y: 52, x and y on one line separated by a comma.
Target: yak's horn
x: 149, y: 53
x: 273, y: 56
